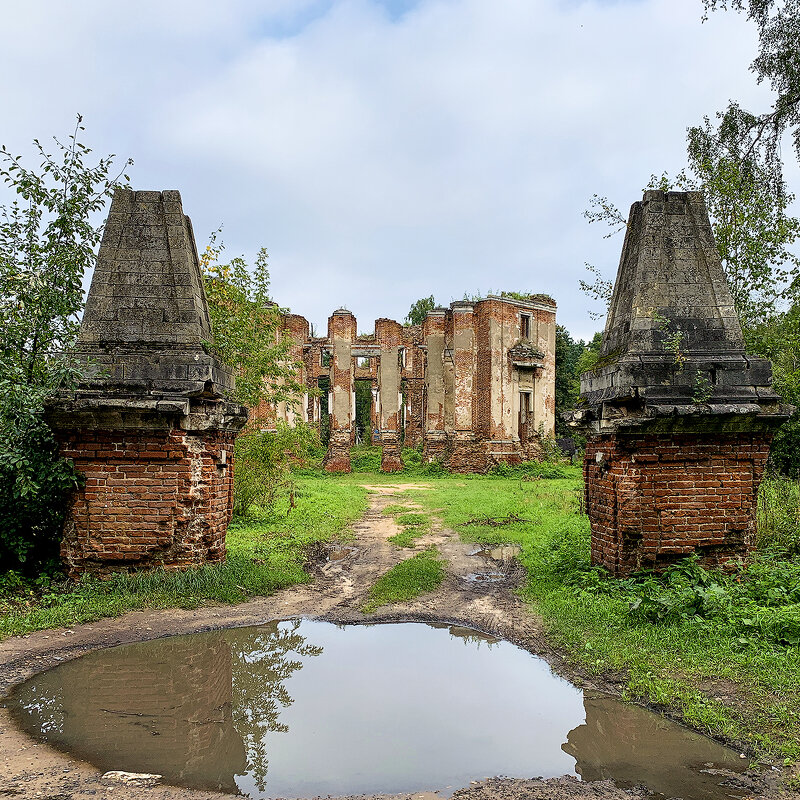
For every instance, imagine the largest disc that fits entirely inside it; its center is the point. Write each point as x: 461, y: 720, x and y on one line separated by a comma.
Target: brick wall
x: 151, y: 497
x: 655, y: 498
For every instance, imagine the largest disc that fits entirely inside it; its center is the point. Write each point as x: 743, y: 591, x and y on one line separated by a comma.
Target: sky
x: 385, y: 150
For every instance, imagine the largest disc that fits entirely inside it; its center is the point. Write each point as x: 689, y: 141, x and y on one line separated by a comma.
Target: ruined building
x: 681, y: 419
x: 150, y: 430
x: 474, y: 384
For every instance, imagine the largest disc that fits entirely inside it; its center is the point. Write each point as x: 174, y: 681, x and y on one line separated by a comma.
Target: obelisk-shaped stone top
x: 147, y: 290
x: 670, y: 279
x: 146, y: 323
x: 673, y: 343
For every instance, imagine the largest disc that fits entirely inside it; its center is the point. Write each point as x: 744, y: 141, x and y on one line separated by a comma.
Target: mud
x: 340, y: 588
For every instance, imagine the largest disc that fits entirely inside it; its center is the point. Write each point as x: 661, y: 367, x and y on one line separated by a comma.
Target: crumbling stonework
x: 341, y: 334
x: 681, y: 419
x: 473, y: 385
x: 150, y: 429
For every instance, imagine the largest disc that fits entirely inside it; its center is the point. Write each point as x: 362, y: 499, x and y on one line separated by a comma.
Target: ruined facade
x: 150, y: 430
x: 473, y: 385
x: 680, y: 418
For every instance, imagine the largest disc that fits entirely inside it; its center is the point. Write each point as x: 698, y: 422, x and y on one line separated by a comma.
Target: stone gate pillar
x: 150, y: 429
x: 680, y: 418
x: 341, y: 334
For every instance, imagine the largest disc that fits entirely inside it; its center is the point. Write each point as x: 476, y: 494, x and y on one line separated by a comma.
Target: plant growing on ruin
x: 671, y: 339
x: 419, y: 310
x: 703, y: 388
x: 49, y: 232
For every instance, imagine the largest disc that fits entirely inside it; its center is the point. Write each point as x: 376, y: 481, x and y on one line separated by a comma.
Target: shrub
x: 778, y: 515
x: 531, y: 469
x: 263, y: 463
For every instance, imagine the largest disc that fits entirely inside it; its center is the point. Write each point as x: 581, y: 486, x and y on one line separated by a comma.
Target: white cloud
x: 384, y: 157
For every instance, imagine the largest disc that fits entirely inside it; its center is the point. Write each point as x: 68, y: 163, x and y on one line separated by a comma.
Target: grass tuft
x: 410, y: 578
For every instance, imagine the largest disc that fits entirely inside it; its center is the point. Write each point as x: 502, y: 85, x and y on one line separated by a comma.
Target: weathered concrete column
x: 465, y: 454
x: 150, y: 430
x: 433, y: 334
x: 390, y: 336
x: 681, y: 419
x: 341, y: 334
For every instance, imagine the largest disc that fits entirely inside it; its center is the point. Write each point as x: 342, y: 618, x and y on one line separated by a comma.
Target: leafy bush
x: 35, y: 484
x: 531, y: 469
x: 778, y: 514
x: 757, y: 601
x: 365, y: 458
x: 48, y: 236
x: 263, y: 463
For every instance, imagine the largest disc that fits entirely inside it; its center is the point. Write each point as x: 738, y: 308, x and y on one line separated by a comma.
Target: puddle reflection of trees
x: 260, y: 666
x: 631, y: 745
x: 196, y: 709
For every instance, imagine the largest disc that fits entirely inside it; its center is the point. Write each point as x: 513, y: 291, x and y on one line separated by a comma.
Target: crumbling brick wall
x: 669, y: 470
x: 149, y: 427
x: 656, y: 498
x: 461, y: 374
x: 150, y: 498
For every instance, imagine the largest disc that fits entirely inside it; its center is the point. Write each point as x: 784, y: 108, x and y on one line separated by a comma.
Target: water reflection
x: 171, y: 705
x: 630, y: 745
x: 307, y: 708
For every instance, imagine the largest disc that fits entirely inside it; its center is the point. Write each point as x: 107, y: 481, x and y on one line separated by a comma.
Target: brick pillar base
x: 655, y: 498
x: 391, y: 460
x: 150, y: 498
x: 434, y: 447
x: 466, y: 455
x: 337, y: 459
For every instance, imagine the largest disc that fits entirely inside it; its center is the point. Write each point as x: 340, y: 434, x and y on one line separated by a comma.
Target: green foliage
x: 263, y: 464
x: 532, y: 469
x: 410, y: 578
x: 778, y: 515
x: 591, y: 354
x: 48, y: 238
x: 759, y: 602
x: 247, y: 328
x: 363, y: 420
x: 419, y: 310
x: 35, y: 482
x: 568, y: 356
x: 777, y: 337
x: 778, y: 24
x: 265, y: 553
x: 365, y: 458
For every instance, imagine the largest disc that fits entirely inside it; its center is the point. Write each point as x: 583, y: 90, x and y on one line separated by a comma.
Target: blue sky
x: 385, y: 150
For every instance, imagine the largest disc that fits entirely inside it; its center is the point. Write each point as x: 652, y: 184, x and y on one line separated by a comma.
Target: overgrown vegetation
x: 266, y: 552
x: 48, y: 237
x: 247, y: 328
x: 410, y: 578
x: 264, y: 462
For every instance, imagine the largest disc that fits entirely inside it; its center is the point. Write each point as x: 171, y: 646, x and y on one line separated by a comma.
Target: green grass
x: 410, y: 578
x: 744, y: 688
x: 414, y: 524
x: 266, y: 552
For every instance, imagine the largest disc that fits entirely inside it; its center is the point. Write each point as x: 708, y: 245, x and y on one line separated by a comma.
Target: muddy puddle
x: 304, y: 708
